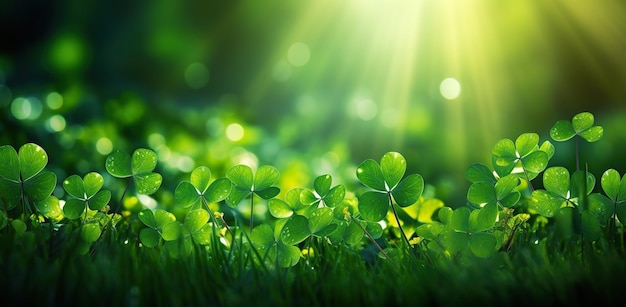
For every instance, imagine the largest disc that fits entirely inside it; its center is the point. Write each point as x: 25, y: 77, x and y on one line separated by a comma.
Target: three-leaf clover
x: 465, y: 228
x: 272, y: 249
x: 389, y: 187
x: 581, y: 125
x: 200, y: 190
x: 140, y: 166
x: 156, y: 221
x: 525, y: 153
x: 487, y: 190
x: 23, y: 180
x: 323, y: 193
x: 85, y: 193
x: 246, y: 184
x: 615, y: 190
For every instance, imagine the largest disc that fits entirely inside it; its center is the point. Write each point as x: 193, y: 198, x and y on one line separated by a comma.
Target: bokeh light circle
x: 299, y: 54
x: 450, y: 88
x: 197, y: 75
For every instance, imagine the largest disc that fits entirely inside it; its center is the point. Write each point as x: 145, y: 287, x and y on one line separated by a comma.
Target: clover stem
x: 577, y: 159
x: 251, y: 210
x: 371, y: 238
x: 395, y: 214
x: 119, y: 204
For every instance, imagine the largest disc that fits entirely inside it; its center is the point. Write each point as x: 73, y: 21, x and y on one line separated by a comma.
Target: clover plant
x: 246, y: 184
x: 615, y: 190
x: 139, y: 168
x: 389, y: 188
x: 523, y: 157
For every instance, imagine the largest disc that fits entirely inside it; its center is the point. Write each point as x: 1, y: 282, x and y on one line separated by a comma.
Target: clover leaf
x: 22, y: 178
x: 291, y: 205
x: 246, y: 184
x: 200, y: 190
x: 271, y: 247
x: 156, y: 230
x: 323, y: 193
x: 466, y: 229
x: 502, y: 192
x: 615, y: 190
x: 140, y: 166
x: 85, y: 193
x: 525, y: 153
x: 581, y: 125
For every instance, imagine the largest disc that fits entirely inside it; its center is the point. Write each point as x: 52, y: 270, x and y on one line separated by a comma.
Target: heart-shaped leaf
x: 409, y: 190
x: 370, y: 174
x: 50, y: 208
x: 143, y: 161
x: 148, y: 183
x: 546, y: 203
x: 200, y: 178
x: 373, y: 206
x: 526, y: 143
x: 41, y: 186
x: 265, y: 177
x: 32, y: 160
x: 482, y: 244
x: 118, y: 164
x: 295, y: 230
x: 393, y: 166
x: 10, y: 166
x: 479, y: 172
x: 322, y: 184
x: 557, y: 180
x: 75, y: 187
x: 90, y: 232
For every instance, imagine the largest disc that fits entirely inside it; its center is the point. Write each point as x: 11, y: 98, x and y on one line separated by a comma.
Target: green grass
x: 119, y: 274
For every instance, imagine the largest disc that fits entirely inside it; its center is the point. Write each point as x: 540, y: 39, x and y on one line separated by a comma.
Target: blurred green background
x: 311, y: 87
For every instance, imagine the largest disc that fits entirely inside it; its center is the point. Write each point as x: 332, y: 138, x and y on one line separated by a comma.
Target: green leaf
x: 505, y: 186
x: 320, y: 218
x: 482, y: 244
x: 427, y: 208
x: 373, y: 206
x: 262, y: 235
x: 511, y: 199
x: 610, y: 182
x: 504, y: 152
x: 99, y: 200
x: 172, y: 231
x: 74, y: 186
x: 41, y: 186
x: 582, y: 121
x: 620, y: 210
x: 268, y: 193
x: 546, y: 203
x: 556, y: 179
x: 19, y: 226
x: 335, y: 196
x: 118, y: 165
x: 484, y: 218
x: 241, y: 176
x: 375, y: 229
x: 90, y: 232
x: 50, y: 207
x: 93, y: 182
x: 186, y: 194
x: 535, y: 162
x: 149, y: 237
x: 481, y: 193
x: 147, y: 218
x: 592, y: 134
x: 200, y: 178
x: 196, y: 219
x: 370, y: 174
x: 73, y: 208
x: 10, y: 166
x: 548, y: 148
x: 445, y: 214
x: 460, y: 219
x: 526, y: 143
x: 322, y: 184
x: 143, y: 161
x: 591, y: 227
x: 479, y: 172
x: 295, y: 230
x: 147, y: 183
x: 279, y: 208
x: 287, y: 255
x: 265, y: 177
x: 601, y: 207
x: 236, y: 195
x: 11, y: 194
x: 308, y: 197
x: 454, y: 241
x: 562, y: 131
x: 580, y: 186
x: 409, y: 190
x: 393, y: 166
x: 203, y: 235
x: 32, y: 160
x: 218, y: 190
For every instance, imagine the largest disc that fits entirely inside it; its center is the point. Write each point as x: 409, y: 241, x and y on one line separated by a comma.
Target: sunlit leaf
x: 427, y: 208
x: 186, y: 194
x: 268, y: 193
x: 505, y: 186
x: 373, y: 206
x: 148, y: 183
x: 320, y: 218
x: 393, y: 166
x: 592, y: 134
x: 556, y: 179
x: 265, y: 177
x: 370, y: 174
x: 195, y: 219
x: 582, y: 121
x: 32, y: 160
x: 562, y: 131
x: 50, y: 207
x: 335, y: 196
x: 242, y: 176
x: 172, y: 231
x: 321, y: 184
x: 409, y: 190
x: 481, y: 193
x: 279, y: 208
x: 526, y: 143
x: 143, y: 161
x: 610, y: 182
x: 118, y: 164
x: 236, y: 195
x: 535, y: 162
x: 479, y: 172
x: 262, y: 234
x: 74, y: 186
x: 218, y: 190
x: 99, y: 200
x: 295, y: 230
x: 200, y: 178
